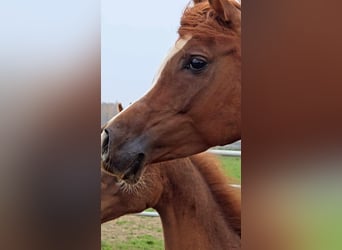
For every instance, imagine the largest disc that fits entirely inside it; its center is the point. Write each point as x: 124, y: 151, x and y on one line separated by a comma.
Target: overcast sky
x: 136, y: 36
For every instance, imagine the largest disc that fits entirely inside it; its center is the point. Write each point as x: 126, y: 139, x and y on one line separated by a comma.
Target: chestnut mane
x: 202, y: 20
x: 227, y: 197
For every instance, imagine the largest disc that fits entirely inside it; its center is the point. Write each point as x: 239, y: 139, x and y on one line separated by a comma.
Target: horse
x: 195, y: 99
x: 197, y: 206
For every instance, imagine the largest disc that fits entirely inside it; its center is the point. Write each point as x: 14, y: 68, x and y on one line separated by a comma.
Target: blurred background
x: 50, y: 116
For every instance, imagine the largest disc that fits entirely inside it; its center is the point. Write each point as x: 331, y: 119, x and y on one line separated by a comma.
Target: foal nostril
x: 104, y: 145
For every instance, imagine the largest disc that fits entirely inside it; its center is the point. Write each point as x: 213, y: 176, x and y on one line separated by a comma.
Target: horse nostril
x: 104, y: 145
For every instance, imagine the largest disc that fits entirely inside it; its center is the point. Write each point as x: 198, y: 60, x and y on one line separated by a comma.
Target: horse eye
x: 196, y: 64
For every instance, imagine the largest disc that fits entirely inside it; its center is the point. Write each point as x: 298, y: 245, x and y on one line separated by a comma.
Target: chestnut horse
x: 197, y: 207
x: 195, y: 101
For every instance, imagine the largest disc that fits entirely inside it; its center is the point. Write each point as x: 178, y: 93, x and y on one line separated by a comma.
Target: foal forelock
x: 198, y: 19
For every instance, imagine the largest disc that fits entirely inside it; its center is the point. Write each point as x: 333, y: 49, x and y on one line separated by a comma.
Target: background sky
x: 135, y: 38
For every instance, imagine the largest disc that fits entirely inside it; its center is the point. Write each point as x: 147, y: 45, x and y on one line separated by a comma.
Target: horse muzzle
x: 104, y: 146
x: 124, y: 160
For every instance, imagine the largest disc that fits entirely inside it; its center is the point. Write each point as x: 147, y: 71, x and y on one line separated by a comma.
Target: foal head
x: 195, y: 99
x: 119, y: 197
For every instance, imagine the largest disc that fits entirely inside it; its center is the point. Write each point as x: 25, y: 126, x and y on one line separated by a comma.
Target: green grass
x: 123, y: 222
x: 232, y: 167
x: 150, y: 210
x: 142, y: 242
x: 106, y: 246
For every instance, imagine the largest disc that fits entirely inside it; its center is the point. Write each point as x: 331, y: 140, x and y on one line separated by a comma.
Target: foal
x: 197, y: 206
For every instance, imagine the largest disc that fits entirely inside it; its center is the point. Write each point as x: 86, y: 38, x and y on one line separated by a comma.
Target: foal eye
x: 196, y: 64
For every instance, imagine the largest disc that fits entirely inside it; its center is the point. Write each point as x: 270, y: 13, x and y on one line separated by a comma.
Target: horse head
x: 194, y: 102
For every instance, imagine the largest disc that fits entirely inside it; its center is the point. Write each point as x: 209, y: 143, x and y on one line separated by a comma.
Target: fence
x: 232, y: 153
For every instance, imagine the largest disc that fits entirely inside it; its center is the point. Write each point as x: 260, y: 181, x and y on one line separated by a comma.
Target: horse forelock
x: 201, y: 19
x: 228, y: 198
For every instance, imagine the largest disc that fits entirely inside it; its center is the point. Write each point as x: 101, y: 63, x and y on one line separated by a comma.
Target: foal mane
x: 226, y: 196
x: 202, y: 19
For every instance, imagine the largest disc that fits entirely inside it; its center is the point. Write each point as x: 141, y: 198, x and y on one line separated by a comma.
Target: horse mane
x: 201, y: 19
x: 228, y: 197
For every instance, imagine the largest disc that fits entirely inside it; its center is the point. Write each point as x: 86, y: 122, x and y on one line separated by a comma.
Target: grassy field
x: 140, y: 242
x: 131, y: 232
x: 146, y: 241
x: 232, y: 167
x: 105, y: 245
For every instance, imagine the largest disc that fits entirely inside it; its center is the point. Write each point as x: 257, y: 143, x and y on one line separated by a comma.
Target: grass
x: 232, y: 167
x: 142, y: 242
x: 105, y: 245
x: 123, y: 222
x: 146, y: 242
x: 150, y: 210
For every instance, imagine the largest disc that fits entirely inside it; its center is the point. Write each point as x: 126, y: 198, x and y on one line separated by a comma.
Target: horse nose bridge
x: 122, y: 133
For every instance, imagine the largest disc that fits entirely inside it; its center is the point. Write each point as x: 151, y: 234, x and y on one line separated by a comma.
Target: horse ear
x: 198, y: 1
x: 228, y: 11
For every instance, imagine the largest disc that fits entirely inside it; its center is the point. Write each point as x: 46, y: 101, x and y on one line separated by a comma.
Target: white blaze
x: 173, y: 51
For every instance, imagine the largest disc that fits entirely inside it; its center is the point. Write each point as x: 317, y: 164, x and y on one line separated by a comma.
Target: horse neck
x: 190, y: 216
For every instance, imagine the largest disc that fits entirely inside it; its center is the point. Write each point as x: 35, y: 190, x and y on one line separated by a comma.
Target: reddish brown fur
x: 198, y: 209
x: 203, y: 21
x: 228, y: 198
x: 185, y: 112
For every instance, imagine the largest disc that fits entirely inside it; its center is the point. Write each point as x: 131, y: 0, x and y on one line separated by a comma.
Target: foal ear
x: 119, y: 107
x: 228, y: 11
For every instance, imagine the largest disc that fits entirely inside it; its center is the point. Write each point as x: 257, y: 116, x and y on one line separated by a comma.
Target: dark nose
x: 104, y: 145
